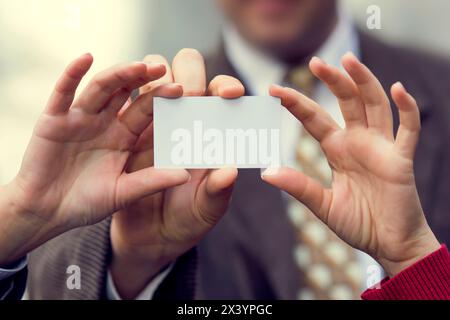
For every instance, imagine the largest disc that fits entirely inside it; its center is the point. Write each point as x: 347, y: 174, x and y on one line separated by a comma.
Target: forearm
x: 133, y: 267
x: 20, y: 231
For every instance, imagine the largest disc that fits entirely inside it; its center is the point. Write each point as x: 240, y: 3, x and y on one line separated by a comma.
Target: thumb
x: 214, y: 194
x: 132, y: 187
x: 305, y: 189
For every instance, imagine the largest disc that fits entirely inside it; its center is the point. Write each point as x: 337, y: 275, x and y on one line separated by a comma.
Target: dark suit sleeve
x: 12, y: 288
x: 89, y: 248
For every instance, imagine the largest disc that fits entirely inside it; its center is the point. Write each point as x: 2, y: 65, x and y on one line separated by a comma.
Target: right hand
x: 372, y: 203
x: 154, y: 232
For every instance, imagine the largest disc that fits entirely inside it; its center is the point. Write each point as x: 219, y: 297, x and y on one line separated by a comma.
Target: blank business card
x: 211, y: 132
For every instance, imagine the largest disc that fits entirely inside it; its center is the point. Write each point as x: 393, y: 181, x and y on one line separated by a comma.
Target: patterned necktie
x: 328, y: 265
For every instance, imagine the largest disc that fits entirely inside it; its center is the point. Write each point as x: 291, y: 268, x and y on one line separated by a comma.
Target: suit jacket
x: 249, y: 254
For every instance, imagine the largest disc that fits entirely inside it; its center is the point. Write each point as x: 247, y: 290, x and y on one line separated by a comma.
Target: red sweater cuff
x: 427, y: 279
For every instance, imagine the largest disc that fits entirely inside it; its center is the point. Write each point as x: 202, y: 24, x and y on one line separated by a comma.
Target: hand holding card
x: 158, y: 229
x: 73, y: 172
x: 373, y: 203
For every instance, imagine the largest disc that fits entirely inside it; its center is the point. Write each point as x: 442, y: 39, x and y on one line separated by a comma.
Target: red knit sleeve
x: 427, y: 279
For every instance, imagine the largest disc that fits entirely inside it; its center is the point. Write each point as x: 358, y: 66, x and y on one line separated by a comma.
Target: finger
x: 214, y: 194
x: 118, y: 101
x: 120, y: 98
x: 376, y: 102
x: 305, y: 189
x: 145, y: 141
x: 409, y: 129
x: 167, y: 78
x: 124, y: 77
x: 128, y: 103
x: 344, y: 89
x: 188, y: 69
x: 65, y: 88
x: 140, y: 113
x: 226, y: 87
x: 134, y: 186
x: 315, y: 120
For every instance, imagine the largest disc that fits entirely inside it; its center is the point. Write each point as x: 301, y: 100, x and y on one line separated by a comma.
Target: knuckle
x: 98, y: 82
x: 225, y: 81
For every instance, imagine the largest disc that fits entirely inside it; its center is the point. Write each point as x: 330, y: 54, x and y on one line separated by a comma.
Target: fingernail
x: 316, y: 60
x: 276, y: 86
x: 352, y: 56
x: 174, y: 85
x: 399, y: 84
x: 154, y: 64
x: 270, y: 171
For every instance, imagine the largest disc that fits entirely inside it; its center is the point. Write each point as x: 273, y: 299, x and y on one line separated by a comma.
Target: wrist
x: 131, y: 274
x: 129, y: 259
x: 20, y: 231
x: 421, y: 247
x: 134, y: 266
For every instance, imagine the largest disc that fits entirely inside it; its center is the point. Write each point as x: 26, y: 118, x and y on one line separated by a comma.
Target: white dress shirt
x: 146, y: 294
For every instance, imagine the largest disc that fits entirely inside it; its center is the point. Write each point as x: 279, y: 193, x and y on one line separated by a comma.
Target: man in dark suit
x: 249, y: 254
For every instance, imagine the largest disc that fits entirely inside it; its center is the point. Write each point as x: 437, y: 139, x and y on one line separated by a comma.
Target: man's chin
x: 286, y: 44
x: 277, y: 45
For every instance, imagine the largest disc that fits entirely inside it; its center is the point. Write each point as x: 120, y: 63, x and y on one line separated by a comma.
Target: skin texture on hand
x: 73, y: 172
x: 155, y: 231
x: 373, y: 203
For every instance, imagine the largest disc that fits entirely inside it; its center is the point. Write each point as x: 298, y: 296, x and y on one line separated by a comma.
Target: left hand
x: 73, y: 172
x: 373, y: 203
